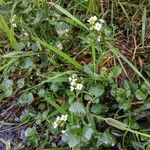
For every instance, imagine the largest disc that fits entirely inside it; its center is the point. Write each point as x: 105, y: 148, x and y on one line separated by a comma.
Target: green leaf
x: 108, y: 139
x: 55, y: 86
x: 96, y: 109
x: 115, y: 123
x: 147, y: 103
x: 28, y: 63
x: 87, y: 133
x: 41, y: 92
x: 32, y: 135
x: 7, y: 86
x: 62, y: 28
x: 125, y: 104
x: 88, y: 97
x: 77, y: 107
x: 97, y: 90
x: 87, y: 69
x: 73, y: 140
x: 26, y: 98
x: 116, y: 71
x: 141, y: 95
x: 25, y: 118
x: 144, y: 87
x: 21, y: 83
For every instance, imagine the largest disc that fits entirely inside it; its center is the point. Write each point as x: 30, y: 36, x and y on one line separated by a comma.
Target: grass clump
x: 74, y: 75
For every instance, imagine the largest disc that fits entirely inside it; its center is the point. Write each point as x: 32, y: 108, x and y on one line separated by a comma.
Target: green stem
x: 94, y: 57
x: 136, y: 132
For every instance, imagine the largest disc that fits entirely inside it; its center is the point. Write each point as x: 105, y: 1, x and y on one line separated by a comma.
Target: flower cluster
x: 95, y: 23
x: 13, y: 20
x: 74, y: 85
x: 60, y: 121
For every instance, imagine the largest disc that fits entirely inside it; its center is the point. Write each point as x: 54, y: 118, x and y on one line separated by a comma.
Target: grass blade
x: 62, y: 10
x: 117, y: 53
x: 2, y: 2
x: 143, y: 26
x: 55, y: 105
x: 60, y: 53
x: 9, y: 32
x: 93, y: 57
x: 122, y: 7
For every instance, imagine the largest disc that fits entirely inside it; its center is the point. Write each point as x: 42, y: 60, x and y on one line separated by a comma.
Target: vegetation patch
x: 74, y: 75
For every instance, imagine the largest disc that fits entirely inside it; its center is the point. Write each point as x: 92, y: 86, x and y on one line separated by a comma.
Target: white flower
x: 70, y: 78
x: 73, y: 82
x: 79, y: 86
x: 64, y: 117
x: 58, y: 118
x: 14, y: 25
x: 72, y: 88
x: 55, y: 125
x: 92, y: 20
x: 98, y: 26
x: 12, y: 21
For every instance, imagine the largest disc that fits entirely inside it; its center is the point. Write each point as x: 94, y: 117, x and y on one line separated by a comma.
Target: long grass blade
x: 2, y: 2
x: 117, y: 53
x: 60, y: 53
x: 62, y: 10
x: 143, y: 26
x: 125, y: 12
x: 55, y: 105
x: 9, y: 32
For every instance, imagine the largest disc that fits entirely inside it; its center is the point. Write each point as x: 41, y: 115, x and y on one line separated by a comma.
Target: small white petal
x: 63, y: 131
x: 98, y: 26
x: 64, y: 117
x: 79, y: 86
x: 71, y: 88
x: 101, y: 20
x: 72, y: 83
x: 55, y: 125
x: 92, y: 20
x: 14, y: 25
x: 58, y: 118
x: 70, y: 78
x: 74, y: 76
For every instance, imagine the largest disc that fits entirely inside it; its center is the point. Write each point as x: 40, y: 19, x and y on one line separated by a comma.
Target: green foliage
x: 77, y: 107
x: 32, y: 135
x: 26, y: 98
x: 73, y: 83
